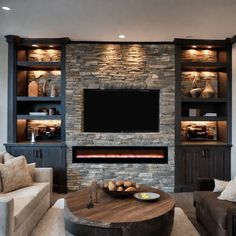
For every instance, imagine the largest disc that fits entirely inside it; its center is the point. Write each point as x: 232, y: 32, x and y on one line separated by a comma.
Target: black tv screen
x: 121, y: 110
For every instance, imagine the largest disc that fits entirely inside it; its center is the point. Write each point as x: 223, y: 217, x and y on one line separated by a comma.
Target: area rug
x: 52, y: 224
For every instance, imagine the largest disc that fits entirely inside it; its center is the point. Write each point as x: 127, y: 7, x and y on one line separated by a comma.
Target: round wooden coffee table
x: 119, y: 216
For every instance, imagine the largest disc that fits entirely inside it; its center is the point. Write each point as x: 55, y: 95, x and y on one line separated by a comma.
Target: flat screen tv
x: 121, y: 110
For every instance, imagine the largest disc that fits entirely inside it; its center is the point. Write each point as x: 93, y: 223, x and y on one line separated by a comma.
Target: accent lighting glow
x: 6, y: 8
x: 122, y: 36
x: 35, y: 45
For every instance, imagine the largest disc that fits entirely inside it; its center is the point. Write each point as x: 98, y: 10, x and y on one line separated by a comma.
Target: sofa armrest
x: 205, y: 184
x: 6, y: 216
x: 44, y: 175
x: 231, y: 221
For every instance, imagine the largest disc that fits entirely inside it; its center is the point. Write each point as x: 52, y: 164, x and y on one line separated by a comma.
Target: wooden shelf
x: 30, y: 117
x: 204, y: 100
x: 39, y: 65
x: 203, y: 118
x: 204, y: 143
x: 203, y: 66
x: 38, y: 99
x: 49, y: 142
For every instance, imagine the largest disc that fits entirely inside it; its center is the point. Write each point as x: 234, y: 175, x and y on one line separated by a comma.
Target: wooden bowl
x: 119, y: 193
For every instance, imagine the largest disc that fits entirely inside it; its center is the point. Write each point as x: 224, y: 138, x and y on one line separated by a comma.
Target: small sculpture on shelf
x: 45, y: 88
x: 53, y: 91
x: 34, y: 134
x: 93, y: 193
x: 195, y: 92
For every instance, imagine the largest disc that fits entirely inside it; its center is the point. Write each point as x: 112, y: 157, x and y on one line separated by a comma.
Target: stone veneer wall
x: 137, y: 66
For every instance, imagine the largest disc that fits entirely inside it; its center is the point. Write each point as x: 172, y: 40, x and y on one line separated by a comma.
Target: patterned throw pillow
x: 229, y: 194
x: 220, y: 185
x: 15, y: 174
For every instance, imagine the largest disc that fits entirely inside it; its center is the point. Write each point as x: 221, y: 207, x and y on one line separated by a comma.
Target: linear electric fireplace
x: 111, y: 154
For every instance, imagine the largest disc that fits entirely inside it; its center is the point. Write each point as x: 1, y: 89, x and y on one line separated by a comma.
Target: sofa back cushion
x: 2, y: 157
x: 1, y: 162
x: 15, y: 174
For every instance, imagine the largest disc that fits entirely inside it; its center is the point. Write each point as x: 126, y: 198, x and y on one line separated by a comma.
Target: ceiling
x: 104, y: 20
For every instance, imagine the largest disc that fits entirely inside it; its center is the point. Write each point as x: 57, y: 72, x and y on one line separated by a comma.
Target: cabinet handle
x: 35, y: 153
x: 203, y: 153
x: 40, y: 154
x: 207, y: 153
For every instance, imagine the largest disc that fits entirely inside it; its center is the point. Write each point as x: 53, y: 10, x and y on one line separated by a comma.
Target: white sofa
x: 21, y: 210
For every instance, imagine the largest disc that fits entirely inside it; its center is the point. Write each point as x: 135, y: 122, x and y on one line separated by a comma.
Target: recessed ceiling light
x: 35, y: 45
x: 122, y: 36
x: 51, y: 46
x: 209, y: 47
x: 194, y: 46
x: 6, y: 8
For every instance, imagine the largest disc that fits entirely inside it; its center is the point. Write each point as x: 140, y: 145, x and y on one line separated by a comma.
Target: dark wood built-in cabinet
x: 41, y: 61
x: 203, y: 123
x: 194, y: 162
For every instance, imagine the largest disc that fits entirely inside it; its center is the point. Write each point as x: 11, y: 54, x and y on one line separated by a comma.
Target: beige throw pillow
x: 220, y: 185
x: 7, y: 156
x: 229, y: 194
x: 15, y: 174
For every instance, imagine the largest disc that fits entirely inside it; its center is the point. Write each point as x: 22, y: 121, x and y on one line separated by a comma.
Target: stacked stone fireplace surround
x: 120, y: 66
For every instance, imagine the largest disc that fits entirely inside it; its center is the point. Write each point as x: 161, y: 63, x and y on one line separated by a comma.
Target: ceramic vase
x: 208, y: 91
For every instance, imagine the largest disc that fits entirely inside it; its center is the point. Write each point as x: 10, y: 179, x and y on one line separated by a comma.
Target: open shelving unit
x: 202, y: 141
x: 42, y: 61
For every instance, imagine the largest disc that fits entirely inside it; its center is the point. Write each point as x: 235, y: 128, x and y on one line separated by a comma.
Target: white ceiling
x: 103, y: 20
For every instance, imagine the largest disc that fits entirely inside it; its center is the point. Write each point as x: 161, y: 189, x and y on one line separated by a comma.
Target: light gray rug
x: 52, y: 224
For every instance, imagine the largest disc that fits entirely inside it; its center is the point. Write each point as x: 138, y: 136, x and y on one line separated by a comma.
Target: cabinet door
x: 55, y: 158
x: 186, y: 168
x: 203, y: 164
x: 219, y: 163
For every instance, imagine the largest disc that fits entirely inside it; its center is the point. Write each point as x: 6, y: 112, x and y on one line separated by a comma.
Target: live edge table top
x: 111, y: 210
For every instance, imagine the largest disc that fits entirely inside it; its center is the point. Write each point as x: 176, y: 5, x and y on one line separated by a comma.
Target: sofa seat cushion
x: 217, y: 209
x: 26, y: 200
